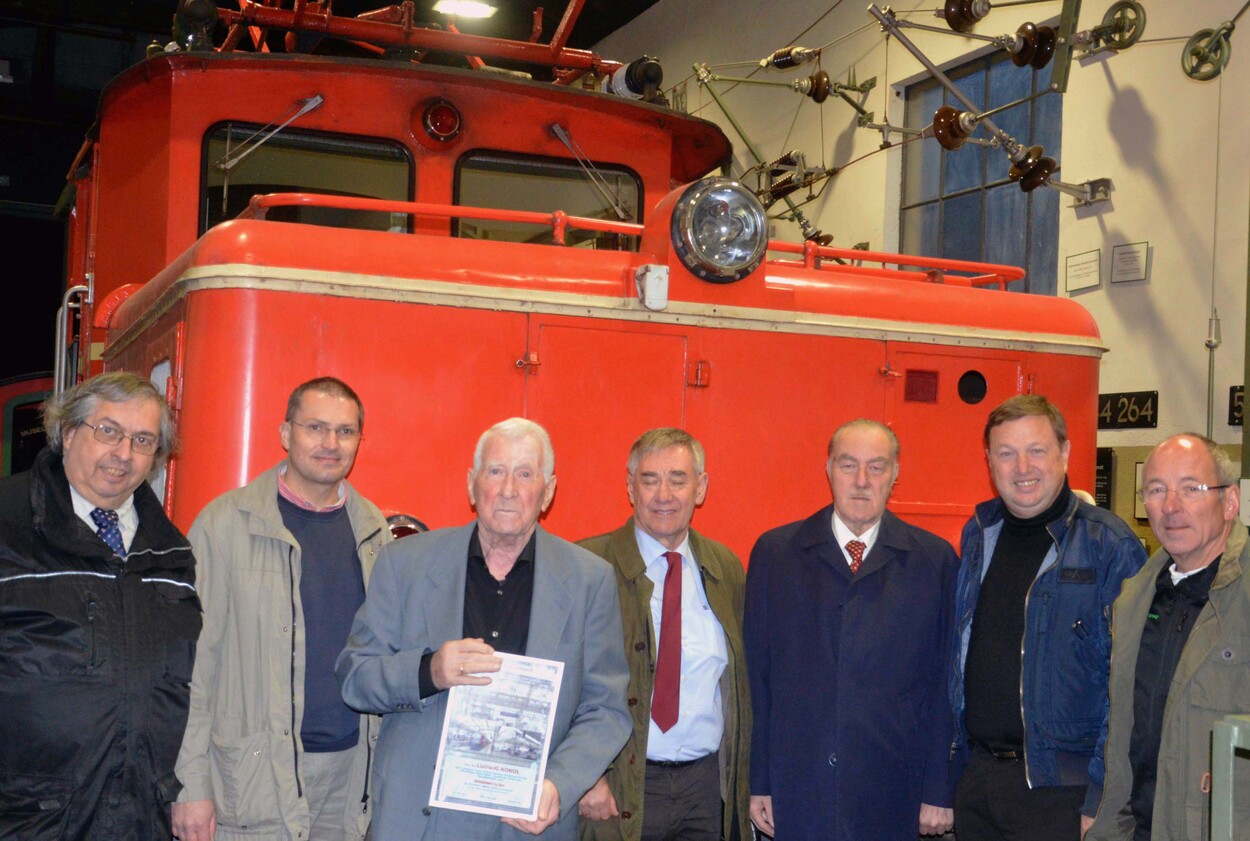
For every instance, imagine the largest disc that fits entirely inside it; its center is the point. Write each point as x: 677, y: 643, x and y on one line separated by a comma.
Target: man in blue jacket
x: 1040, y: 571
x: 848, y: 627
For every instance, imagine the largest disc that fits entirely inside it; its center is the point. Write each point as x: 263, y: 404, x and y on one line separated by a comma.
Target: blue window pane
x: 961, y: 227
x: 965, y: 168
x: 920, y: 233
x: 1007, y: 226
x: 1044, y: 256
x: 971, y: 80
x: 921, y: 158
x: 1009, y: 83
x: 1048, y: 123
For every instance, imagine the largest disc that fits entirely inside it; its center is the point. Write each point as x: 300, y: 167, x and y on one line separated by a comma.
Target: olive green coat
x: 724, y: 580
x: 1212, y: 680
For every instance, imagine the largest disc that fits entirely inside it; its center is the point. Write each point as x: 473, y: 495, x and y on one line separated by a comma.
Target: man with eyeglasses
x: 1181, y: 659
x: 848, y: 629
x: 271, y: 750
x: 98, y: 622
x: 1039, y: 571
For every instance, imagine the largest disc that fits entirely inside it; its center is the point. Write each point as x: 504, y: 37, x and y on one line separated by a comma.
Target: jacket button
x: 640, y: 646
x: 285, y: 629
x: 626, y: 815
x: 426, y: 811
x: 631, y: 759
x: 833, y: 760
x: 633, y: 702
x: 286, y: 732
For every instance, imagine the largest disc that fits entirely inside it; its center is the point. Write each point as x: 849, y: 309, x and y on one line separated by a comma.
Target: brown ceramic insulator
x: 1027, y: 33
x: 959, y: 16
x: 1046, y: 40
x: 947, y: 128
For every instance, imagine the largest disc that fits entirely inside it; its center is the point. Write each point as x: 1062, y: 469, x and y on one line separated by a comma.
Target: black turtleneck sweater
x: 992, y: 668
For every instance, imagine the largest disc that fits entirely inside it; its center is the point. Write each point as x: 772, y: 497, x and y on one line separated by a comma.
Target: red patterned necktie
x: 665, y: 697
x: 856, y: 550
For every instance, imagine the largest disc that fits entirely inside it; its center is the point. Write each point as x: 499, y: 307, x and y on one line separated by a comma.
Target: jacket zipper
x: 91, y: 630
x: 290, y: 565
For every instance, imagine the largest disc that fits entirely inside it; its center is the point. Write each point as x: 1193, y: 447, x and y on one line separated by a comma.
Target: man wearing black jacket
x: 98, y: 623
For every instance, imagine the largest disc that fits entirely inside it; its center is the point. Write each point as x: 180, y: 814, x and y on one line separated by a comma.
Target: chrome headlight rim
x: 749, y: 250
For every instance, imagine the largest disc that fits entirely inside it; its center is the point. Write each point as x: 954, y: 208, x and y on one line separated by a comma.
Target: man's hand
x: 458, y: 662
x: 598, y: 804
x: 762, y: 813
x: 1086, y: 823
x: 935, y: 820
x: 548, y: 811
x: 195, y: 820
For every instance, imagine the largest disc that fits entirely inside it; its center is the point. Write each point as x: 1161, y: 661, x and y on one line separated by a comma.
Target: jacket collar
x: 624, y: 548
x: 54, y: 518
x: 990, y: 513
x: 259, y: 500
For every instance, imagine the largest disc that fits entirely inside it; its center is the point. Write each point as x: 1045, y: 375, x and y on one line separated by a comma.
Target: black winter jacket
x: 95, y: 665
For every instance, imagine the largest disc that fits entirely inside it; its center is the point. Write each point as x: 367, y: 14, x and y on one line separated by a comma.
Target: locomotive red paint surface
x: 443, y: 335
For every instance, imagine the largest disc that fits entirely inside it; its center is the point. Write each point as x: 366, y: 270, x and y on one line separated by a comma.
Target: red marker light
x: 441, y: 120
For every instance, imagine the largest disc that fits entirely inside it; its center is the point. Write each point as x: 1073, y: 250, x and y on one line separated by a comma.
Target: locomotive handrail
x: 932, y: 269
x: 558, y: 220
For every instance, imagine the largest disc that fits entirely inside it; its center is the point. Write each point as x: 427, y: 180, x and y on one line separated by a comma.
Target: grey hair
x: 75, y: 405
x: 661, y: 439
x: 514, y: 429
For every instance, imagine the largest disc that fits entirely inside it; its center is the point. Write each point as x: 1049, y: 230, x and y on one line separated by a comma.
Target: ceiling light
x: 465, y: 8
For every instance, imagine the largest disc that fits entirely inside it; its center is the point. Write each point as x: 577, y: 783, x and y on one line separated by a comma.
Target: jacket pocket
x: 245, y: 792
x: 33, y: 806
x: 177, y: 609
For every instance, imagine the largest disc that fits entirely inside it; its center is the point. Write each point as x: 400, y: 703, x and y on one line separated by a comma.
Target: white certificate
x: 493, y: 754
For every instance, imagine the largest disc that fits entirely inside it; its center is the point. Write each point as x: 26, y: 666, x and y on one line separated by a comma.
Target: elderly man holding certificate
x: 440, y: 608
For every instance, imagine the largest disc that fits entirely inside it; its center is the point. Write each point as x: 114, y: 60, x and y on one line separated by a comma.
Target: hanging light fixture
x: 465, y: 8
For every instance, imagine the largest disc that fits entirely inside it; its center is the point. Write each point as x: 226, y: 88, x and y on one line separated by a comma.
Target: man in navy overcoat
x: 848, y: 628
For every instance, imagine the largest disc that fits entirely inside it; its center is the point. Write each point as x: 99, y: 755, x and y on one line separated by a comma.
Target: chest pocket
x: 177, y: 609
x: 53, y: 626
x: 1222, y: 682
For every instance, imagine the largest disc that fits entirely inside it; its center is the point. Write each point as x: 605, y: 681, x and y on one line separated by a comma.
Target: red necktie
x: 855, y: 549
x: 666, y: 696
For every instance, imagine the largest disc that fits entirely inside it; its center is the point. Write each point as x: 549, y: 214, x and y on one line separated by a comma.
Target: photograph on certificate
x: 493, y: 753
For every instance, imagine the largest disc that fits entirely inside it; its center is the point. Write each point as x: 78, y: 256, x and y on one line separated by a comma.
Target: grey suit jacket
x: 415, y: 604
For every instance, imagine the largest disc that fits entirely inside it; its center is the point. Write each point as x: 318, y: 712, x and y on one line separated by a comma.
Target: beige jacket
x: 242, y: 748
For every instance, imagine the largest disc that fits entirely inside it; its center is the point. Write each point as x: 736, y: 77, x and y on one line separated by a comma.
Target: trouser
x: 993, y: 802
x: 682, y: 802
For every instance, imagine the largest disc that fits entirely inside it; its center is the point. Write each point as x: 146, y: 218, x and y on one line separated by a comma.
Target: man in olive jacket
x: 1180, y: 660
x: 692, y: 768
x: 271, y: 751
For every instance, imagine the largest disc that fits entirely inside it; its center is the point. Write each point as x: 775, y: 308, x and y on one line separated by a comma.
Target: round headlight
x: 719, y: 230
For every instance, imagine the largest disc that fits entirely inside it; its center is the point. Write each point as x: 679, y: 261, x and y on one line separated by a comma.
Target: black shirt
x: 1172, y: 615
x: 497, y: 612
x: 992, y: 667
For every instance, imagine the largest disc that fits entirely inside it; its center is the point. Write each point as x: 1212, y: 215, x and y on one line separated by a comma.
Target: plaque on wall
x: 1104, y: 476
x: 1128, y: 410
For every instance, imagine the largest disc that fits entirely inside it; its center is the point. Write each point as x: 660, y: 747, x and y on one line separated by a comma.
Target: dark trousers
x: 994, y: 803
x: 682, y: 803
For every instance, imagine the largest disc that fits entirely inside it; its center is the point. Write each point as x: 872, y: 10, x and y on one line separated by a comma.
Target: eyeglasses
x: 143, y: 443
x: 1190, y: 492
x: 321, y: 431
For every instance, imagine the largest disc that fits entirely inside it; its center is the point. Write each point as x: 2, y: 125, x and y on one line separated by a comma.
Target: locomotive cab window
x: 516, y: 183
x: 236, y: 168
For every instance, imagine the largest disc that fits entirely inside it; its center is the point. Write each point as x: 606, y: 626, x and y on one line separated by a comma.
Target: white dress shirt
x: 704, y: 656
x: 843, y: 534
x: 127, y: 517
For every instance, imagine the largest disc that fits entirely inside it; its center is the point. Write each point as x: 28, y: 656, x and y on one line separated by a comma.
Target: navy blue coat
x: 852, y: 722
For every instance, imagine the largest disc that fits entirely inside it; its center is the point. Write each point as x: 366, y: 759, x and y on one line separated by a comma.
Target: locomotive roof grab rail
x: 934, y: 269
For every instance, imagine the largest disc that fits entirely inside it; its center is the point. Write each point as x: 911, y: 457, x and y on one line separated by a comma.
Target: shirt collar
x: 652, y: 550
x: 288, y: 493
x: 83, y: 506
x: 843, y: 535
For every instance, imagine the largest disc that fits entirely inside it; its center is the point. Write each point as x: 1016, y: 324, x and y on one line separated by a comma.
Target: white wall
x: 1178, y: 152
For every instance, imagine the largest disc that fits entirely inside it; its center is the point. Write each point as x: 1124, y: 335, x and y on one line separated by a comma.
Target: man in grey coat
x: 440, y: 607
x: 271, y: 752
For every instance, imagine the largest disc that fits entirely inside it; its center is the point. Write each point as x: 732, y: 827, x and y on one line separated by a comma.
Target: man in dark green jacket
x: 682, y: 772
